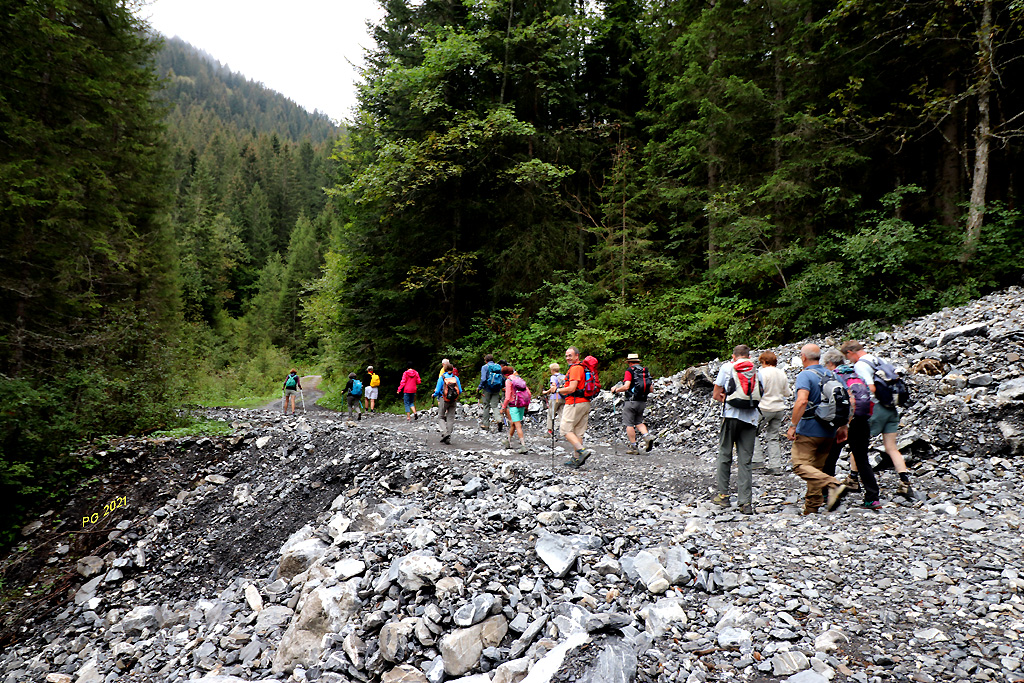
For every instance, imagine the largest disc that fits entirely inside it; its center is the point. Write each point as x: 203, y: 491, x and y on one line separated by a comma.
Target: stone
x: 932, y: 635
x: 1010, y: 390
x: 788, y: 663
x: 326, y: 610
x: 617, y: 663
x: 557, y: 552
x: 732, y: 637
x: 355, y: 649
x: 300, y: 557
x: 807, y: 676
x: 474, y: 611
x: 348, y: 567
x: 273, y: 616
x: 512, y: 672
x: 58, y: 678
x: 216, y: 479
x: 417, y: 571
x: 662, y: 615
x: 394, y: 638
x: 461, y: 649
x: 829, y: 641
x: 971, y: 330
x: 89, y: 566
x: 421, y: 537
x: 149, y: 617
x: 253, y: 598
x: 651, y: 572
x: 404, y: 674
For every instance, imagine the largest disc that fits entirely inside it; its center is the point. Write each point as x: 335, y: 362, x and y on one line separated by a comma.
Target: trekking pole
x: 303, y: 399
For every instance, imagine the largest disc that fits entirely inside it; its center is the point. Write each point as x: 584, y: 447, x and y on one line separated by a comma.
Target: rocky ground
x: 312, y: 548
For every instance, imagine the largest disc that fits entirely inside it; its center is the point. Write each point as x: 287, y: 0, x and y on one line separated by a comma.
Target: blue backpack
x: 291, y: 382
x: 357, y: 388
x: 495, y: 380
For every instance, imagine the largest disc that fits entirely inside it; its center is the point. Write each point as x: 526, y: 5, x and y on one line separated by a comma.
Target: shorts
x: 574, y: 418
x: 884, y: 420
x: 516, y: 414
x: 372, y: 392
x: 409, y: 400
x: 633, y: 413
x: 290, y: 392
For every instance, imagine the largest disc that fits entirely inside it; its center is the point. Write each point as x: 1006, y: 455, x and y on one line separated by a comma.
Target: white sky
x: 307, y: 50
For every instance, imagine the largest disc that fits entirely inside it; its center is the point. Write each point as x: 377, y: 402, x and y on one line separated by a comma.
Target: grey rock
x: 417, y: 571
x: 475, y: 611
x: 89, y: 566
x: 651, y: 572
x: 617, y: 663
x: 326, y: 610
x: 731, y: 637
x: 807, y: 676
x: 461, y: 649
x: 145, y: 617
x: 788, y: 663
x: 300, y: 557
x: 404, y: 673
x: 557, y: 552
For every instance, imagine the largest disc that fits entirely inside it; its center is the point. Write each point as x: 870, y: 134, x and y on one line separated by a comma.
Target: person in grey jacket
x: 775, y: 389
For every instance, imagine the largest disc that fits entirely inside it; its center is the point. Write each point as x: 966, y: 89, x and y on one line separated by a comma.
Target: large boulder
x: 461, y: 649
x: 326, y: 610
x: 300, y: 557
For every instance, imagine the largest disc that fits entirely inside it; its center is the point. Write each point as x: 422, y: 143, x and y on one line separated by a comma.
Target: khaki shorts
x: 574, y: 418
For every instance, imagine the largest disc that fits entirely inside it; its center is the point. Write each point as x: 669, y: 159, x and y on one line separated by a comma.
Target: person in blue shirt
x: 811, y: 439
x: 447, y: 391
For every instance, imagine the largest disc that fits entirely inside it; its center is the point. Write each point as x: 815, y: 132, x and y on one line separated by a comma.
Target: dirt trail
x: 306, y: 400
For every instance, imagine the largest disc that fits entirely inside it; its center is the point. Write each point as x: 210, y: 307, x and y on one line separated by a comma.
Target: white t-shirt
x: 748, y: 415
x: 864, y: 370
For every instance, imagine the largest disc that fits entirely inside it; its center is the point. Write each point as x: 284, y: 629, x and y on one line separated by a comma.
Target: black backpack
x: 890, y: 389
x: 640, y: 387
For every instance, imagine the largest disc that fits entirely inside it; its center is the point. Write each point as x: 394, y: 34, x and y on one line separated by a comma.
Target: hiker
x: 407, y: 387
x: 581, y: 385
x: 354, y: 394
x: 859, y: 432
x: 372, y: 389
x: 447, y: 393
x: 811, y: 438
x: 555, y: 400
x: 885, y: 419
x: 492, y: 382
x: 737, y: 389
x: 636, y: 384
x: 513, y: 407
x: 774, y: 390
x: 292, y: 385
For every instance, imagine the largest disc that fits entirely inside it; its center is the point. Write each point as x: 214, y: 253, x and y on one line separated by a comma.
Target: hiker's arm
x: 802, y: 396
x: 719, y: 393
x: 622, y: 388
x: 569, y: 388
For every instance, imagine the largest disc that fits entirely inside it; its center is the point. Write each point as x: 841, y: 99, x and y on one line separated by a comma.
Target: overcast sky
x: 307, y: 50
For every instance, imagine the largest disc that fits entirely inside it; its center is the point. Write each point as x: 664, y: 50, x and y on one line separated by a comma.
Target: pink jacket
x: 410, y: 380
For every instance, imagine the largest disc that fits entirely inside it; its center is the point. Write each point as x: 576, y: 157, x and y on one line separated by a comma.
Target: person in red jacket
x: 407, y: 387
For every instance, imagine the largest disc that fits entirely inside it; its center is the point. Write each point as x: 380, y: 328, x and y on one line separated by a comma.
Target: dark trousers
x: 859, y: 436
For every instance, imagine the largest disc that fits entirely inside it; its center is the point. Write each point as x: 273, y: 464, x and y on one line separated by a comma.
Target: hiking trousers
x: 809, y: 456
x: 446, y: 416
x: 554, y: 413
x: 735, y: 432
x: 491, y: 403
x: 768, y: 438
x: 858, y: 439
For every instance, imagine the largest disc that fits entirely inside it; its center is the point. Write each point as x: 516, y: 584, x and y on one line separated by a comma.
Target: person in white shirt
x: 739, y: 429
x: 774, y: 390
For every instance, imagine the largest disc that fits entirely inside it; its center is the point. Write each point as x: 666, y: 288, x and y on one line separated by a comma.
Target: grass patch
x: 197, y: 428
x: 238, y: 402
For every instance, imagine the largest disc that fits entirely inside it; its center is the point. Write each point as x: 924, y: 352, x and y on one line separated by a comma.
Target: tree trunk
x: 712, y: 162
x: 982, y: 137
x: 949, y: 178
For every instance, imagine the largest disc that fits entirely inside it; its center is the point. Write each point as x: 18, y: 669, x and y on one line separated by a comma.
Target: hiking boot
x: 585, y: 454
x: 506, y: 444
x: 721, y: 499
x: 631, y: 449
x: 648, y: 442
x: 851, y: 483
x: 905, y: 489
x: 835, y: 496
x: 415, y: 416
x: 522, y: 450
x: 809, y: 510
x: 446, y: 439
x: 871, y: 505
x: 573, y: 462
x: 359, y: 417
x: 746, y: 509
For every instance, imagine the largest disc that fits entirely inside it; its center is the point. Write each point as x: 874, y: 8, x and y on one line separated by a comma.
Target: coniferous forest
x: 669, y: 177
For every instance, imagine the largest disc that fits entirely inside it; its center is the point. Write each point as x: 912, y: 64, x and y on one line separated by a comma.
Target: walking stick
x: 303, y: 399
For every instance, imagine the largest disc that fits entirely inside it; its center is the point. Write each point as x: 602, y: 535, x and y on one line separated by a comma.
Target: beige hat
x: 632, y: 357
x: 369, y: 368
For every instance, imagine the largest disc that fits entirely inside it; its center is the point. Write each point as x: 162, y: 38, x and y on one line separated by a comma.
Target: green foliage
x: 196, y: 427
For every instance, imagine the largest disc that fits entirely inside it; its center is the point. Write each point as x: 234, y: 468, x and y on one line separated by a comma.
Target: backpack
x: 591, y: 382
x: 858, y: 390
x: 743, y: 390
x: 374, y: 380
x: 494, y: 380
x: 450, y: 392
x: 640, y: 387
x: 521, y: 395
x: 890, y: 389
x: 833, y: 407
x: 357, y: 388
x: 291, y: 382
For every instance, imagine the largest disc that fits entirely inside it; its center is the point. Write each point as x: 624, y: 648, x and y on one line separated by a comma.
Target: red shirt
x: 578, y: 374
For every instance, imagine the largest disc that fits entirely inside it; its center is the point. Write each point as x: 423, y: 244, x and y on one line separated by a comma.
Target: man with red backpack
x: 581, y: 385
x: 739, y: 391
x: 636, y: 384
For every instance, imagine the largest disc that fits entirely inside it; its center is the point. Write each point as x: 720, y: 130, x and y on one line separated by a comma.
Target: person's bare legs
x: 889, y: 442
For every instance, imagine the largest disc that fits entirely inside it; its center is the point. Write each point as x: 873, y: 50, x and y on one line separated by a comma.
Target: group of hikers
x: 843, y: 397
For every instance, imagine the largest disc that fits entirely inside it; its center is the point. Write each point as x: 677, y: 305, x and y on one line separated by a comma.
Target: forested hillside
x: 672, y: 177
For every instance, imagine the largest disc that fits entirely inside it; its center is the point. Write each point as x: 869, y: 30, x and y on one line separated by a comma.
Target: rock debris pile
x: 325, y: 550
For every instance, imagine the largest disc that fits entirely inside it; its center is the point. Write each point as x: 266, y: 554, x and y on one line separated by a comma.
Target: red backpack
x: 591, y: 382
